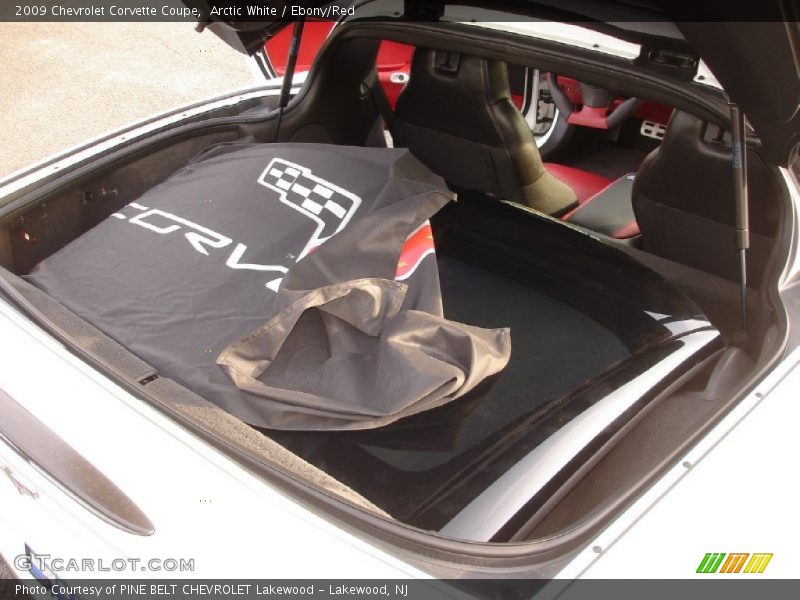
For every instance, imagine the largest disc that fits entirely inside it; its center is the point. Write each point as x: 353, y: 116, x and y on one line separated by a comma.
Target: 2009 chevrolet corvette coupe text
x: 458, y: 320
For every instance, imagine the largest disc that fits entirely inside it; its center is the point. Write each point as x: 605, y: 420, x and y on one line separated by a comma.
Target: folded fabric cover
x: 307, y: 270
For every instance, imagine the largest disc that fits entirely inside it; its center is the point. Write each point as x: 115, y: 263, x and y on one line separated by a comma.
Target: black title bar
x: 289, y: 10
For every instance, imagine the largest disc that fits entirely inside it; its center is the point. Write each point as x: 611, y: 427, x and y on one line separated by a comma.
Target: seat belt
x: 380, y: 100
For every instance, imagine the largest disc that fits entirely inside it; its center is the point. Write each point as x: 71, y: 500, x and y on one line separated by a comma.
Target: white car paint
x: 203, y: 505
x: 733, y: 492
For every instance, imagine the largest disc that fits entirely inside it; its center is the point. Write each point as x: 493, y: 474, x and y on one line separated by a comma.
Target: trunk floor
x: 555, y: 349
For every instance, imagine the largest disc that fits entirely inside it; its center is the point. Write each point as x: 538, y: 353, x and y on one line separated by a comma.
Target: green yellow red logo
x: 738, y: 562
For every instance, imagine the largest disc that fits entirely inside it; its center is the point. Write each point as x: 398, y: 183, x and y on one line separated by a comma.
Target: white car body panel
x: 731, y: 493
x: 203, y: 505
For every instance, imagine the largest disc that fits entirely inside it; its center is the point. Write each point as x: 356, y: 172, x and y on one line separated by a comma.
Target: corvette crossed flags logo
x: 329, y: 206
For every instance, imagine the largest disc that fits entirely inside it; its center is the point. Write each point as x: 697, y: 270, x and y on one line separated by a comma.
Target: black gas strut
x: 739, y: 168
x: 288, y: 75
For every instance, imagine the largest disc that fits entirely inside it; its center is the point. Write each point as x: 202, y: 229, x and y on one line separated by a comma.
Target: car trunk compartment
x: 584, y: 318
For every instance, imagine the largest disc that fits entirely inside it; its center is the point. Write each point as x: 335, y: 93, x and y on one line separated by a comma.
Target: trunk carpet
x: 555, y: 349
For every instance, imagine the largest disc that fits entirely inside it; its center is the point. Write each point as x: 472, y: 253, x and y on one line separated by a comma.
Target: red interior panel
x: 314, y: 35
x: 393, y: 58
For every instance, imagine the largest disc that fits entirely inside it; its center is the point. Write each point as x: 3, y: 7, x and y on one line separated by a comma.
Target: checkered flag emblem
x: 325, y: 203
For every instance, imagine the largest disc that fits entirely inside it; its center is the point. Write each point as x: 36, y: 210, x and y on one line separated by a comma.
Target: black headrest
x: 442, y: 80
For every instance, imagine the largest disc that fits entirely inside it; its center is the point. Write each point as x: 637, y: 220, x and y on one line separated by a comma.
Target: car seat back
x: 683, y: 200
x: 456, y: 115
